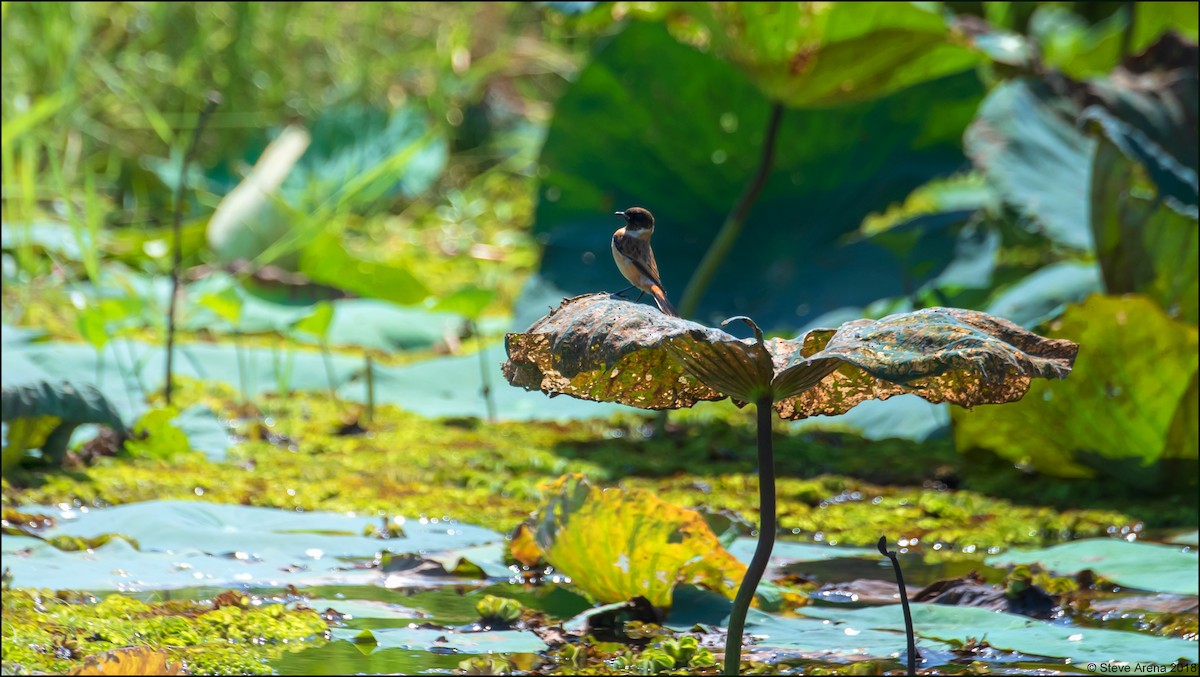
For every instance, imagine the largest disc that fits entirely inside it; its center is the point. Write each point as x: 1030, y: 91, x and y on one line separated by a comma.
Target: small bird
x: 635, y: 259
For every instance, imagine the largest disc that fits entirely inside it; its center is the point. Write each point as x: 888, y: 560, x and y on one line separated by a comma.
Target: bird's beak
x: 619, y: 213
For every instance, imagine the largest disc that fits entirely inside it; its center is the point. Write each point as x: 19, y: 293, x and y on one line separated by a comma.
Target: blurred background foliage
x: 438, y: 173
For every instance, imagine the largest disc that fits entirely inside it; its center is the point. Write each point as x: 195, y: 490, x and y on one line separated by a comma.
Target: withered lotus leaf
x: 941, y: 354
x: 606, y: 348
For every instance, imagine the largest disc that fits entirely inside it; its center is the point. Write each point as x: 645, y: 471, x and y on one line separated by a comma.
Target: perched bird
x: 635, y: 259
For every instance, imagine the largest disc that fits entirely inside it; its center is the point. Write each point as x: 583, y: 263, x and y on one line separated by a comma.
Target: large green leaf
x: 1126, y: 406
x: 328, y: 261
x: 1025, y: 141
x: 1148, y: 108
x: 617, y: 544
x: 656, y: 123
x: 1146, y: 566
x: 1144, y: 245
x: 825, y: 54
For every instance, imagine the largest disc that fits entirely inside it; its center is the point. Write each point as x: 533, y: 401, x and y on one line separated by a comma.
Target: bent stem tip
x: 908, y: 622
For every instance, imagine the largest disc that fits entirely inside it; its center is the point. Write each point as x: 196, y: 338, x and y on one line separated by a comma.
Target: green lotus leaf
x: 1148, y: 109
x: 1144, y: 246
x: 618, y: 544
x: 67, y: 404
x: 1025, y: 141
x: 1130, y: 403
x: 825, y: 54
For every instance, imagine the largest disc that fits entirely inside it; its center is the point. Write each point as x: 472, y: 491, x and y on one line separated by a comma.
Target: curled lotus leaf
x: 608, y: 349
x: 605, y: 348
x: 941, y: 354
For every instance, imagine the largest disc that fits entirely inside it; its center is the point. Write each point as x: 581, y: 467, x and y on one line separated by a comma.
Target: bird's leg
x: 623, y: 290
x: 639, y: 298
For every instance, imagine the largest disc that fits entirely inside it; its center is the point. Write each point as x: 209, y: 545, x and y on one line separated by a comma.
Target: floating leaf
x: 188, y: 543
x: 1013, y: 633
x: 1146, y: 566
x: 618, y: 544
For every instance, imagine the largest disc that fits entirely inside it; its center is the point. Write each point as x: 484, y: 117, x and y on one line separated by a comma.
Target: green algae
x: 493, y: 474
x: 55, y: 631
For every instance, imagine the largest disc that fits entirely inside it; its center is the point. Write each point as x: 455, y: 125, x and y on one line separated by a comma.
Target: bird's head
x: 637, y: 218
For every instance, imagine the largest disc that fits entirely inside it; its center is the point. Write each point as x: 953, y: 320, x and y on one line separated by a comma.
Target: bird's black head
x: 637, y: 218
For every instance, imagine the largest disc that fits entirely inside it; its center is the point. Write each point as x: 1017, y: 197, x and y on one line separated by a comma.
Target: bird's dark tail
x: 660, y: 297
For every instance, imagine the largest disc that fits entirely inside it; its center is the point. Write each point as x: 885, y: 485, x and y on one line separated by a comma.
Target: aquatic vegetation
x: 44, y: 630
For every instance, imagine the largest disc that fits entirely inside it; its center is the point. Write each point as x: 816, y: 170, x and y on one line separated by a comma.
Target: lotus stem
x: 766, y: 536
x: 732, y: 227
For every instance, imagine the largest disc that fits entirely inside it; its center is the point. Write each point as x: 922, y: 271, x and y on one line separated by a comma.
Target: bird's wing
x: 638, y: 251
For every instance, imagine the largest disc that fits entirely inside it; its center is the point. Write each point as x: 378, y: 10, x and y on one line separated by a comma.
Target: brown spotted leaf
x: 942, y: 354
x: 605, y: 348
x: 608, y: 349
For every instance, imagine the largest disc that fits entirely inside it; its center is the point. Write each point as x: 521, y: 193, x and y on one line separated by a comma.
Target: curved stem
x: 733, y: 223
x: 766, y: 536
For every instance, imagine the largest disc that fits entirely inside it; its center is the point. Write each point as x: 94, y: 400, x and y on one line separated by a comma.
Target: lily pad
x: 1014, y: 633
x: 1145, y: 566
x: 185, y: 543
x: 796, y: 637
x: 448, y: 640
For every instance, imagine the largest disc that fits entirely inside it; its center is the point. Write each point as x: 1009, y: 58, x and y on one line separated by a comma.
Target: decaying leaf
x: 138, y: 660
x: 619, y: 544
x: 941, y: 354
x: 605, y: 348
